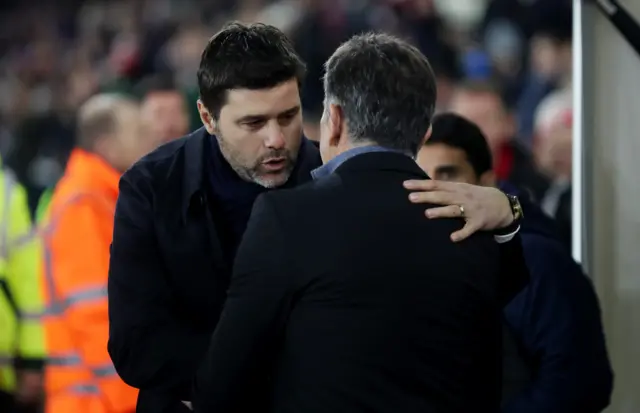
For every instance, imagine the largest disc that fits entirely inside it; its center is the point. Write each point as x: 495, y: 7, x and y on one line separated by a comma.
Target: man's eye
x: 286, y: 119
x: 255, y: 124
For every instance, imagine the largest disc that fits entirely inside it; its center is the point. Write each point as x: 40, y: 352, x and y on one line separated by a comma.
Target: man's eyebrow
x: 447, y: 168
x: 264, y: 116
x: 291, y: 111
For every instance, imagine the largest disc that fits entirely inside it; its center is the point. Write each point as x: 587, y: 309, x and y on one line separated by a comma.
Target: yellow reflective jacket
x: 21, y: 298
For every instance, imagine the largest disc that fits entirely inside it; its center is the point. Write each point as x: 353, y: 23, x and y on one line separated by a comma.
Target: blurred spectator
x: 79, y: 225
x: 550, y: 68
x: 164, y: 108
x: 553, y: 155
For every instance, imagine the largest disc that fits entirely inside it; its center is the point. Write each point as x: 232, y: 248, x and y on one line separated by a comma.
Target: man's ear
x: 426, y: 136
x: 335, y: 124
x: 207, y: 119
x: 488, y: 179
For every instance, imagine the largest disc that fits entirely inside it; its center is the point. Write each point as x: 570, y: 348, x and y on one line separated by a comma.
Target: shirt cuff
x: 501, y: 239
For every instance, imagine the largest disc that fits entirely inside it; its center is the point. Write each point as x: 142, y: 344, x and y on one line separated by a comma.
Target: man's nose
x: 275, y: 137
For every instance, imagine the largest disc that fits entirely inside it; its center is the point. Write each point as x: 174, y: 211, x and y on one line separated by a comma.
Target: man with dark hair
x: 562, y: 365
x: 183, y: 209
x: 164, y: 108
x: 368, y: 307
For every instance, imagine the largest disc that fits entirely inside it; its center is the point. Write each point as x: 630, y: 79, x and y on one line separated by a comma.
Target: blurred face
x: 259, y: 132
x: 485, y: 110
x: 166, y: 115
x: 130, y: 143
x: 553, y: 151
x: 445, y: 163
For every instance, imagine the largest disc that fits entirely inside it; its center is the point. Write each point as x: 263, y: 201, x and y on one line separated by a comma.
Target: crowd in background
x: 505, y: 64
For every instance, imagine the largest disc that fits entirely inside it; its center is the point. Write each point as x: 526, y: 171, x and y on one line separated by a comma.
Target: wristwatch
x: 516, y: 208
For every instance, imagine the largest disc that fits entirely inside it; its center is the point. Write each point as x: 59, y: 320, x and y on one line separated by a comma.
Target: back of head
x: 386, y: 90
x: 98, y: 118
x: 254, y: 56
x: 109, y: 126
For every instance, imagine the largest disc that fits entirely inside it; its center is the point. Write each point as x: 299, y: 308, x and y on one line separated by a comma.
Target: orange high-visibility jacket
x: 77, y: 231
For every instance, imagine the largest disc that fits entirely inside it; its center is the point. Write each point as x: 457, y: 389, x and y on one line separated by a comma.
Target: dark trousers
x: 8, y: 405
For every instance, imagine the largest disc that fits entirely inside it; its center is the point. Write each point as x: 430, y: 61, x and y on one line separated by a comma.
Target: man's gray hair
x: 99, y: 116
x: 386, y: 89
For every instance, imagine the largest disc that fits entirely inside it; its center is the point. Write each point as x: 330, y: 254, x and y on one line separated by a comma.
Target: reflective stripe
x: 79, y: 297
x: 24, y: 239
x: 104, y: 371
x: 68, y: 360
x: 9, y: 184
x: 88, y: 294
x: 30, y: 315
x: 83, y: 389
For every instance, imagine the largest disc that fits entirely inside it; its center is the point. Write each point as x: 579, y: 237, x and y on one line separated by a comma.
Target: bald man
x: 79, y: 224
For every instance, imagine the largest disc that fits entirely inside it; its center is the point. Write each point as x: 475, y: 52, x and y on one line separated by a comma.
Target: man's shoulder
x: 165, y: 163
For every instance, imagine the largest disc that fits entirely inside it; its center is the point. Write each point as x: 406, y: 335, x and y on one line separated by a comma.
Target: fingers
x: 468, y: 230
x: 451, y: 211
x: 428, y: 185
x: 434, y: 197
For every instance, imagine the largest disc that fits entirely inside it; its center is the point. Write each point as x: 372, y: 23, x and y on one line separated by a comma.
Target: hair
x: 457, y: 132
x: 98, y: 117
x: 254, y: 56
x: 385, y: 88
x: 163, y: 82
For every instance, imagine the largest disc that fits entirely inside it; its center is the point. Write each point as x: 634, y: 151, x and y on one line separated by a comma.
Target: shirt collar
x: 334, y: 163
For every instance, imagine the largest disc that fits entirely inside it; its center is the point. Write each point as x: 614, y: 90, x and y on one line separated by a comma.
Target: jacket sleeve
x: 23, y: 258
x: 150, y: 347
x: 79, y: 256
x: 559, y: 323
x: 514, y: 274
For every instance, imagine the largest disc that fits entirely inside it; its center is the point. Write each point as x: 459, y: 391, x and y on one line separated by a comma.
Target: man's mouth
x: 275, y: 164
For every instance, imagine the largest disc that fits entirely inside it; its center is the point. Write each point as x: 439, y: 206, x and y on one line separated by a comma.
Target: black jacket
x: 353, y: 302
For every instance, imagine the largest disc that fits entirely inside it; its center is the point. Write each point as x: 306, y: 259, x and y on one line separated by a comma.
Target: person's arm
x: 150, y: 347
x: 78, y: 253
x: 23, y: 261
x: 558, y: 321
x: 483, y: 208
x: 253, y: 319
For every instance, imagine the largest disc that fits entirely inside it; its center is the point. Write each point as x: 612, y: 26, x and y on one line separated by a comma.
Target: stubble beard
x: 253, y: 173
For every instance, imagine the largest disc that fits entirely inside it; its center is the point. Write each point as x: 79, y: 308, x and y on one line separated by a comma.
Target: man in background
x: 552, y: 151
x: 556, y: 318
x: 482, y: 104
x: 164, y: 108
x: 77, y: 233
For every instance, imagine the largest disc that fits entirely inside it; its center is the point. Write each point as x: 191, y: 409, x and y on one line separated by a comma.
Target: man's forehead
x: 445, y: 153
x: 263, y: 102
x: 476, y: 101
